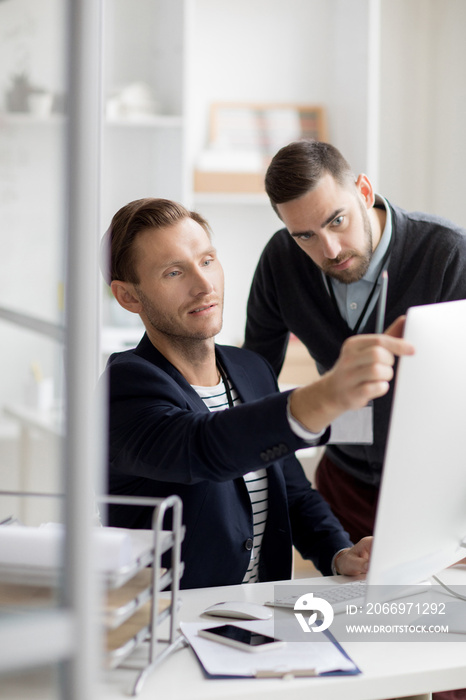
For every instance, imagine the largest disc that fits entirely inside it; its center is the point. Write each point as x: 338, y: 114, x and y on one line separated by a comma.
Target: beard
x: 171, y: 327
x: 361, y: 259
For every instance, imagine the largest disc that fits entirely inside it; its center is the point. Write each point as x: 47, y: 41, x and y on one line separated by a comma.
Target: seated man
x: 245, y: 497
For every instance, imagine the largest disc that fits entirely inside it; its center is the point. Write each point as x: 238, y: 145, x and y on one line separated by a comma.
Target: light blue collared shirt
x: 351, y: 298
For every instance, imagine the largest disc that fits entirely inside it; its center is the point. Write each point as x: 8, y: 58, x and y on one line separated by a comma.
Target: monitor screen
x: 421, y: 515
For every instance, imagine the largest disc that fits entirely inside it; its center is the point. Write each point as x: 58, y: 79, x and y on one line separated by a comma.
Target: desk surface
x: 389, y: 669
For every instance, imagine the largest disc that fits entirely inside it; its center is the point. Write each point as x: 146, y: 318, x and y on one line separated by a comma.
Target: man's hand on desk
x: 355, y: 560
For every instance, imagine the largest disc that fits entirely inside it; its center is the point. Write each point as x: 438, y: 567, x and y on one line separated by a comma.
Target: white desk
x: 389, y: 669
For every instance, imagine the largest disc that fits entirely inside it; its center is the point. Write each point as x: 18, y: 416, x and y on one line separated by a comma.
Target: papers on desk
x: 34, y: 555
x: 43, y: 546
x: 313, y: 658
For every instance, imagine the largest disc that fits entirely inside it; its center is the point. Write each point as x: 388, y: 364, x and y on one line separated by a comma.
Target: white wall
x: 423, y: 137
x: 305, y: 51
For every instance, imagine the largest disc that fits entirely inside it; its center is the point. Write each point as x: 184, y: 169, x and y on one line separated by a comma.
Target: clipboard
x: 293, y: 660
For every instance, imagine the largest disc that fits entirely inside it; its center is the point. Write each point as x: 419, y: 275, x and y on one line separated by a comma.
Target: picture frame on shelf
x: 244, y: 136
x: 265, y: 127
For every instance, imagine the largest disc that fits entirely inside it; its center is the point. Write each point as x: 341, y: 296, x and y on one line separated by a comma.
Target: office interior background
x: 388, y: 76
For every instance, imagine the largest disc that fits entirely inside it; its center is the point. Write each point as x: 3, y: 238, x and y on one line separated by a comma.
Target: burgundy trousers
x: 352, y: 501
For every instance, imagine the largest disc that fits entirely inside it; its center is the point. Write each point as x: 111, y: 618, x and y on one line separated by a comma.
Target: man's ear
x: 365, y: 189
x: 125, y: 295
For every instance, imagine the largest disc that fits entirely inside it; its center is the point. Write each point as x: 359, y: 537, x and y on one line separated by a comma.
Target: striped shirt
x: 216, y: 399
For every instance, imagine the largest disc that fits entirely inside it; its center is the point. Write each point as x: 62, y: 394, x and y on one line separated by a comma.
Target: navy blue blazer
x: 163, y: 440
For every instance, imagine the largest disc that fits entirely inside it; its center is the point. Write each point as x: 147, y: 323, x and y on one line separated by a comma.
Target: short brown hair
x: 117, y: 259
x: 298, y: 168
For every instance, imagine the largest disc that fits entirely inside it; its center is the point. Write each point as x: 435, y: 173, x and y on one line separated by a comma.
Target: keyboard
x: 339, y: 596
x: 352, y: 593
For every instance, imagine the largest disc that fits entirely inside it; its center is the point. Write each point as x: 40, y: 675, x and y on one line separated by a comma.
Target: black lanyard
x: 372, y: 292
x: 226, y: 383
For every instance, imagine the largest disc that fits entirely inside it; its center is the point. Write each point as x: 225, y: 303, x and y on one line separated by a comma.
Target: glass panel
x: 32, y: 129
x: 31, y: 435
x: 32, y: 237
x: 31, y: 426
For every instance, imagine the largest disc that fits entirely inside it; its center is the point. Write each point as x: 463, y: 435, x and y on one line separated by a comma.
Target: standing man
x: 245, y: 497
x: 319, y: 278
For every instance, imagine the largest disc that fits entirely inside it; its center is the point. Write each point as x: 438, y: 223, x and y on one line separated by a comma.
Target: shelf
x: 18, y: 598
x: 27, y: 119
x: 156, y: 121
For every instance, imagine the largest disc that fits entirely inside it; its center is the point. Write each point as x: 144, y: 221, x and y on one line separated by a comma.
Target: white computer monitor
x: 421, y: 516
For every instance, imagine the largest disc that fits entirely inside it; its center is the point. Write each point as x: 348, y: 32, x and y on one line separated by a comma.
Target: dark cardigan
x: 427, y: 265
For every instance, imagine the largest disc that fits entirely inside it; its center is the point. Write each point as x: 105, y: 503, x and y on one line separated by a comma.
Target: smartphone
x: 240, y: 638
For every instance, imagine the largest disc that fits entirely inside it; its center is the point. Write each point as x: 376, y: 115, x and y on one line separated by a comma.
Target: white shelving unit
x: 144, y: 152
x: 145, y: 61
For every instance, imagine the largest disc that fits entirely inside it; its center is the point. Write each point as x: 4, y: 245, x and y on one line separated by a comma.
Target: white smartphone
x: 240, y: 638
